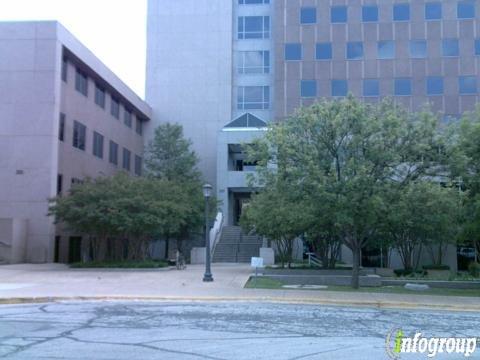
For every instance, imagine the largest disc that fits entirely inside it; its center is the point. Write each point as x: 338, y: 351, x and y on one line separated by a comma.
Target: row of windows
x: 81, y: 85
x: 79, y: 141
x: 434, y: 85
x: 258, y: 97
x: 400, y: 12
x: 385, y: 50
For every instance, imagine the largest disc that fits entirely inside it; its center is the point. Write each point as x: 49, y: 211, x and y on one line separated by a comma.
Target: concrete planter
x: 440, y: 274
x: 384, y: 272
x: 434, y: 283
x: 268, y: 256
x: 333, y: 280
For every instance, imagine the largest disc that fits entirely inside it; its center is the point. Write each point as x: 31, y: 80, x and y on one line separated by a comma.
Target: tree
x: 278, y: 215
x: 124, y: 207
x: 168, y: 157
x: 421, y: 215
x: 464, y: 151
x: 351, y: 151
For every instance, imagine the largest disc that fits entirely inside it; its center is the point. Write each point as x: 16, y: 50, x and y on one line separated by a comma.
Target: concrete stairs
x: 236, y: 247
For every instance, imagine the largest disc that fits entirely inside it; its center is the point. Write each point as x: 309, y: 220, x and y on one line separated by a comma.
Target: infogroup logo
x: 397, y: 343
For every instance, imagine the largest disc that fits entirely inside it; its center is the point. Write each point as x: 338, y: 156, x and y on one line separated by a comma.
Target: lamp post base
x: 207, y: 278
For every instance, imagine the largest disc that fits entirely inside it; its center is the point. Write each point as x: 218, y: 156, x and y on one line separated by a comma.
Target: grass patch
x: 268, y: 283
x: 263, y: 283
x: 147, y: 264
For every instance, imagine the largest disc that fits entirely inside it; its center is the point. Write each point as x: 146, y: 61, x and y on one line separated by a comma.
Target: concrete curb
x: 312, y: 301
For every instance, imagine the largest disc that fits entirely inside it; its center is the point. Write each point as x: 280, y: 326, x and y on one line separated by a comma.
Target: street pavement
x: 215, y: 330
x: 47, y: 282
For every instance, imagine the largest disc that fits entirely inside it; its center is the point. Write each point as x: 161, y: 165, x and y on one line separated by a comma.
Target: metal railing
x: 313, y: 260
x: 216, y: 232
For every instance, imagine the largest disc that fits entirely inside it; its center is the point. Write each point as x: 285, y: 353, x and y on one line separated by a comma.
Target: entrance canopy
x: 247, y: 120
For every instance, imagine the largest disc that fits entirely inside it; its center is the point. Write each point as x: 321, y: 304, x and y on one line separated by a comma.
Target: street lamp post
x: 207, y: 192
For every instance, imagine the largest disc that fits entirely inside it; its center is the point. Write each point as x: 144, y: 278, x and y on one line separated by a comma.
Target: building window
x: 126, y: 159
x: 139, y: 126
x: 450, y: 47
x: 467, y: 84
x: 127, y: 118
x: 254, y: 62
x: 59, y: 184
x: 253, y: 98
x: 370, y: 13
x: 418, y: 49
x: 434, y: 85
x: 79, y: 135
x: 81, y: 82
x: 339, y: 87
x: 323, y: 51
x: 253, y: 27
x: 401, y: 12
x: 371, y: 87
x: 354, y: 50
x: 466, y: 9
x: 61, y: 127
x: 308, y: 88
x: 477, y: 47
x: 113, y: 153
x: 252, y: 2
x: 138, y: 165
x: 386, y: 49
x: 403, y: 87
x: 308, y: 15
x: 115, y: 108
x: 293, y: 52
x: 100, y: 96
x: 98, y: 145
x: 433, y: 11
x: 64, y: 69
x: 338, y: 14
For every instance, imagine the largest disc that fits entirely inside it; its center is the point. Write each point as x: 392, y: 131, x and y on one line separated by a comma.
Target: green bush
x: 409, y: 272
x: 436, y: 267
x: 474, y: 269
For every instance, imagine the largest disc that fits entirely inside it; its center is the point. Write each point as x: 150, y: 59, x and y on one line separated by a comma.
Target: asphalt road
x: 140, y: 330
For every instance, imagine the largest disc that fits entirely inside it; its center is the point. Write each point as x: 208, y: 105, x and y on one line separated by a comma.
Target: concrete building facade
x: 64, y: 117
x: 274, y: 56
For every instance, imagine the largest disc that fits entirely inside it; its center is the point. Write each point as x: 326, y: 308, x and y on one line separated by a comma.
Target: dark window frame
x: 79, y: 140
x: 81, y: 82
x: 98, y: 144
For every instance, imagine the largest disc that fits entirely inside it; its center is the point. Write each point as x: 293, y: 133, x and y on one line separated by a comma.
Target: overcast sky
x: 113, y: 29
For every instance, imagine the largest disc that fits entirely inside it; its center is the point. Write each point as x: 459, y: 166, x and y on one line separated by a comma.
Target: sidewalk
x: 50, y: 282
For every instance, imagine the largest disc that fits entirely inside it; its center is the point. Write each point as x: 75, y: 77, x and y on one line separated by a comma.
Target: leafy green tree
x: 351, y: 151
x: 421, y: 215
x: 278, y: 215
x: 124, y: 207
x: 168, y: 157
x: 464, y: 151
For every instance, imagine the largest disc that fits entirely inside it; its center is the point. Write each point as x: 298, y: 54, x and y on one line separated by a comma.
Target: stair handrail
x: 216, y: 232
x: 313, y: 260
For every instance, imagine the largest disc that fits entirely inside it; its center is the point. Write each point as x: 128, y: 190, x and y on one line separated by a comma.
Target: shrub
x: 409, y: 272
x: 436, y: 267
x: 474, y: 269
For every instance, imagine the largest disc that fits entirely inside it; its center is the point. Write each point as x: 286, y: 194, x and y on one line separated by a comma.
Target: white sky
x: 113, y: 29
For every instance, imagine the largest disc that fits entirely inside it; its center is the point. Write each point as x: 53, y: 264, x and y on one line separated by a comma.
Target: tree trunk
x: 356, y: 268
